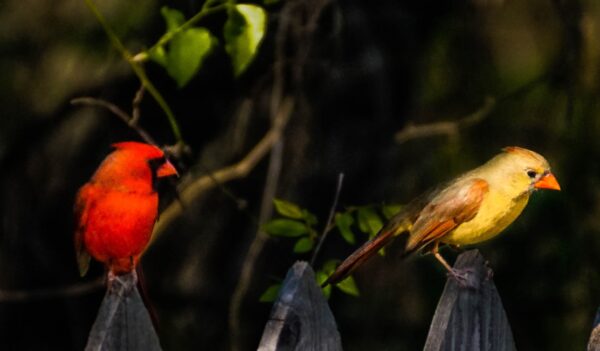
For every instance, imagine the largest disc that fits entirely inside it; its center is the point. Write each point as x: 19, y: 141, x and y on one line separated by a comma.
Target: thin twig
x: 168, y: 36
x: 89, y: 101
x: 138, y: 70
x: 51, y: 293
x: 295, y: 21
x: 240, y: 202
x: 260, y: 238
x: 135, y: 106
x: 450, y: 128
x: 329, y: 222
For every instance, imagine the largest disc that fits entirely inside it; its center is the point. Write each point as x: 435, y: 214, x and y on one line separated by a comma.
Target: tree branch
x: 328, y: 224
x: 239, y: 170
x: 138, y: 70
x: 49, y: 293
x: 129, y: 120
x: 450, y: 128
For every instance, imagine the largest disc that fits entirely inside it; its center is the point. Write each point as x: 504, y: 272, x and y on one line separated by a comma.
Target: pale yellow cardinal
x: 470, y: 209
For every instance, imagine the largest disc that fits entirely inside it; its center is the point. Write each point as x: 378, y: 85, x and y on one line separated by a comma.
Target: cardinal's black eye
x: 155, y: 163
x: 532, y: 174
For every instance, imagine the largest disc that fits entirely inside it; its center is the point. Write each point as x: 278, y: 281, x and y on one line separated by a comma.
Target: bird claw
x: 464, y: 278
x: 110, y: 278
x: 489, y: 271
x: 120, y: 284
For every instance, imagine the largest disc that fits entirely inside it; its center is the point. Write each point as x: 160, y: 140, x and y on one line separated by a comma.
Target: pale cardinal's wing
x: 456, y: 204
x: 82, y: 206
x: 426, y: 218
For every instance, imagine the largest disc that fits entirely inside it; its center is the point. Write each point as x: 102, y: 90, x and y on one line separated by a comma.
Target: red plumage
x: 116, y: 210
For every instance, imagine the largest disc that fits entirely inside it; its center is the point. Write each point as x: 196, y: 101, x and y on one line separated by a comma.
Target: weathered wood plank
x: 594, y: 343
x: 123, y: 323
x: 468, y: 319
x: 300, y: 318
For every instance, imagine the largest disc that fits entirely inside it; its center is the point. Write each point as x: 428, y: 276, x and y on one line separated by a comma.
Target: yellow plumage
x: 472, y: 208
x: 508, y: 194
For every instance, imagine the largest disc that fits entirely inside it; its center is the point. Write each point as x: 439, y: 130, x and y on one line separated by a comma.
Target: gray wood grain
x: 594, y: 342
x: 300, y: 318
x: 123, y: 323
x: 470, y: 318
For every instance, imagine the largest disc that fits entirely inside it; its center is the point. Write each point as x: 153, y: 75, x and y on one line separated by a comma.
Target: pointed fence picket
x: 123, y: 322
x: 468, y: 318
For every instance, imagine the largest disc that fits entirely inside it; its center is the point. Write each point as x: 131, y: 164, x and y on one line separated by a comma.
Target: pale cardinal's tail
x: 359, y: 256
x: 397, y: 225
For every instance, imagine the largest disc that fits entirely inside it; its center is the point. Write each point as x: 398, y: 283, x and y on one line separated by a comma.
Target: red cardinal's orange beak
x: 167, y: 169
x: 547, y: 182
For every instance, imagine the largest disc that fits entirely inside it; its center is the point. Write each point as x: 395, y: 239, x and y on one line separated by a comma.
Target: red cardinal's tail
x: 141, y: 285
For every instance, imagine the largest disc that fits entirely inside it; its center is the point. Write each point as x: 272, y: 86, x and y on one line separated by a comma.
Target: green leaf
x: 348, y: 286
x: 159, y: 55
x: 343, y: 221
x: 243, y: 32
x: 304, y: 245
x: 270, y: 294
x: 321, y: 276
x: 326, y: 291
x: 329, y: 267
x: 288, y: 209
x: 369, y: 221
x: 172, y: 17
x: 285, y: 227
x: 310, y: 218
x: 390, y: 211
x: 187, y: 50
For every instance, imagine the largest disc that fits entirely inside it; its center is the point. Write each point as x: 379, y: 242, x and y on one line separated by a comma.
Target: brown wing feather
x: 438, y: 229
x: 81, y: 210
x: 456, y: 204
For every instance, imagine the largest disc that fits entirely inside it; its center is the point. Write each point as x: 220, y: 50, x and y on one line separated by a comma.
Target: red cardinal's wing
x: 454, y: 205
x: 83, y: 203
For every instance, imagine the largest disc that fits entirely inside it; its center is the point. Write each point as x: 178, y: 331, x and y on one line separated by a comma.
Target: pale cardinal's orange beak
x: 167, y: 169
x: 548, y: 181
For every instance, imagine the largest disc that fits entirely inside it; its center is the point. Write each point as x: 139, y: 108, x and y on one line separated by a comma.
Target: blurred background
x: 360, y: 74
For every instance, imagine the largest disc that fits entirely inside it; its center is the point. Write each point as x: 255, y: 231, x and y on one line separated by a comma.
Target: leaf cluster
x: 182, y: 56
x: 299, y: 223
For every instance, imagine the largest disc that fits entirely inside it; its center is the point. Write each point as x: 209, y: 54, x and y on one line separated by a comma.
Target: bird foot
x: 121, y: 284
x: 490, y: 271
x: 465, y: 278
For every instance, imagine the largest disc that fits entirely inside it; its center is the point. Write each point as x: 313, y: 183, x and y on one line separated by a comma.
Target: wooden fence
x: 466, y: 319
x: 123, y: 323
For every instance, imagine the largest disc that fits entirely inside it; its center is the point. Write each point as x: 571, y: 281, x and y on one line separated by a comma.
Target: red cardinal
x: 116, y: 210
